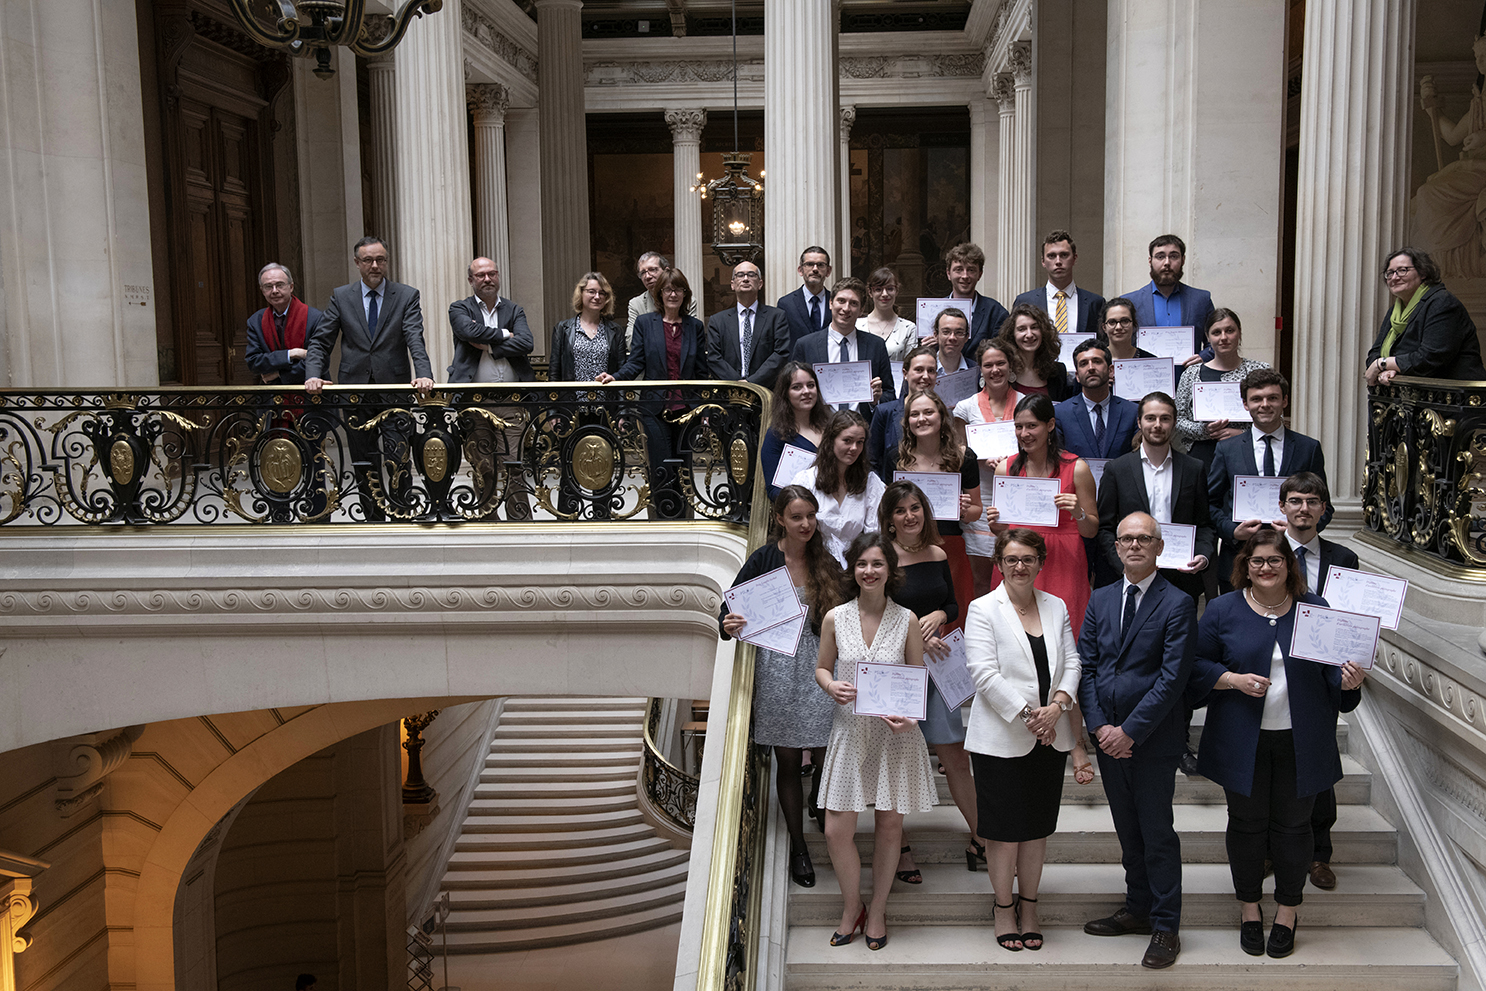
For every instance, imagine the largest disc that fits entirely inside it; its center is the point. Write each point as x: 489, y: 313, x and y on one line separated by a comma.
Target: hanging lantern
x: 317, y: 26
x: 737, y: 211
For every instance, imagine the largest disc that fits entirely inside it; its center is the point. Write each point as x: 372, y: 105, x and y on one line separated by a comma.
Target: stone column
x: 434, y: 241
x: 1357, y: 88
x: 686, y: 156
x: 985, y: 161
x: 1004, y: 90
x: 381, y: 73
x: 492, y: 237
x: 566, y: 249
x: 801, y: 125
x: 524, y: 188
x: 1023, y: 173
x: 848, y: 118
x: 1194, y: 146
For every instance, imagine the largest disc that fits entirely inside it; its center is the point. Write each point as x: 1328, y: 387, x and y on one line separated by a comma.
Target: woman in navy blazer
x: 1270, y: 738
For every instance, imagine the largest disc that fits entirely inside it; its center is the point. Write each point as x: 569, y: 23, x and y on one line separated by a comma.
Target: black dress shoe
x: 1122, y: 923
x: 1162, y: 952
x: 801, y: 871
x: 1188, y: 763
x: 1281, y: 940
x: 1251, y: 938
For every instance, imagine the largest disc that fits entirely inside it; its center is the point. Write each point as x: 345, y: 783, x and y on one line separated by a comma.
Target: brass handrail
x: 671, y: 790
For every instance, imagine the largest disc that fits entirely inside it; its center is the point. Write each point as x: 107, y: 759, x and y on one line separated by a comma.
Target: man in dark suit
x: 1168, y: 302
x: 1136, y: 649
x: 841, y: 342
x: 920, y: 371
x: 1265, y: 448
x: 1072, y: 309
x: 491, y: 344
x: 277, y: 334
x: 964, y: 265
x: 1304, y: 497
x: 379, y: 324
x: 808, y: 308
x: 1165, y: 483
x: 749, y: 325
x: 1096, y: 424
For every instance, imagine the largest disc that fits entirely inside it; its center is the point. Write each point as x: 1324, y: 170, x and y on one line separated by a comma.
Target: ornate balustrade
x: 1426, y: 467
x: 262, y: 455
x: 671, y: 790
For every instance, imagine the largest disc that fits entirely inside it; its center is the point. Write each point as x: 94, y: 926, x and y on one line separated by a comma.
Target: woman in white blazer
x: 1020, y: 650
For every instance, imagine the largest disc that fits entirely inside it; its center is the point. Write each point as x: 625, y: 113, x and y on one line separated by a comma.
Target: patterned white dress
x: 866, y: 762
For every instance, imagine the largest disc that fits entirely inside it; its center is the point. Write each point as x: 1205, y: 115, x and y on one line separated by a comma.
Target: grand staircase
x: 554, y: 849
x: 1366, y: 934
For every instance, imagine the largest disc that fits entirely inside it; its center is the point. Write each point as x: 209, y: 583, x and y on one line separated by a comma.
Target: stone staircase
x: 1366, y: 934
x: 554, y: 849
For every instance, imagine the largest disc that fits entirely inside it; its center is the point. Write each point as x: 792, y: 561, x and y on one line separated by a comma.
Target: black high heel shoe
x: 841, y: 939
x: 975, y: 858
x: 1028, y: 937
x: 801, y: 870
x: 913, y: 876
x: 1006, y: 939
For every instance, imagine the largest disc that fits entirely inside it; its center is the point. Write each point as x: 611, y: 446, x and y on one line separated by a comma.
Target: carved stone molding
x: 848, y: 120
x: 1003, y: 91
x: 686, y: 124
x: 1449, y: 777
x: 490, y: 37
x: 681, y: 71
x: 17, y: 907
x: 489, y: 101
x: 415, y: 818
x: 970, y: 64
x: 91, y: 759
x: 1019, y: 60
x: 1462, y: 703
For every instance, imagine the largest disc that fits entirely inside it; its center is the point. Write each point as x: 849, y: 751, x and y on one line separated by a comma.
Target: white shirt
x: 962, y: 366
x: 1158, y: 484
x: 1144, y: 585
x: 1312, y: 560
x: 1279, y: 448
x: 366, y: 292
x: 834, y: 337
x: 1052, y: 305
x: 1277, y: 698
x: 841, y: 522
x: 1094, y: 415
x: 493, y: 369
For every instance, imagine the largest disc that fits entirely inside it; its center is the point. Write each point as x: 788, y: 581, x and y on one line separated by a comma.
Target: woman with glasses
x: 1270, y: 738
x: 1427, y: 332
x: 900, y: 336
x: 1020, y: 651
x: 588, y: 345
x: 1119, y: 327
x: 1225, y: 337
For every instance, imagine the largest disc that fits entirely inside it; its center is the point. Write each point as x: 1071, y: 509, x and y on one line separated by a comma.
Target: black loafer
x: 1251, y: 938
x: 1163, y: 951
x: 1122, y: 923
x: 1281, y: 940
x: 801, y: 871
x: 1188, y: 763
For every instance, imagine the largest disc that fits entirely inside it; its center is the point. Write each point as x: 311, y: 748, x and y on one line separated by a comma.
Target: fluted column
x: 1023, y: 172
x: 380, y: 72
x: 434, y: 241
x: 848, y: 118
x: 566, y: 249
x: 985, y: 161
x: 1357, y: 87
x: 686, y: 155
x: 489, y: 102
x: 801, y: 126
x: 1004, y: 90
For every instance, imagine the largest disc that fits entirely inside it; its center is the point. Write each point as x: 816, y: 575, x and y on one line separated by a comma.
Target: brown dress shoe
x: 1322, y: 876
x: 1163, y: 950
x: 1120, y: 924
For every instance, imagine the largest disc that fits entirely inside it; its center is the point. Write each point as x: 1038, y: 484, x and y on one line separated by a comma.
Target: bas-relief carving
x: 91, y: 759
x: 612, y: 73
x: 502, y: 47
x: 1462, y: 703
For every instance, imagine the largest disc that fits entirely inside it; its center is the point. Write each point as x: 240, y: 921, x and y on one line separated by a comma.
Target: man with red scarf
x: 277, y: 334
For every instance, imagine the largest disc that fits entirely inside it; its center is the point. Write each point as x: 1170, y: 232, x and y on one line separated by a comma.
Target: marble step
x: 582, y: 718
x: 1086, y: 835
x: 566, y: 934
x: 610, y: 756
x: 487, y: 804
x: 572, y: 890
x: 544, y: 734
x: 1199, y: 720
x: 1072, y: 894
x: 563, y: 703
x: 556, y: 826
x: 491, y: 837
x: 536, y: 877
x: 475, y: 866
x: 941, y: 958
x: 561, y: 775
x: 538, y: 789
x: 599, y: 906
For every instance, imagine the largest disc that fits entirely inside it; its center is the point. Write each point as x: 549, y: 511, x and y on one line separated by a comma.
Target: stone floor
x: 627, y: 963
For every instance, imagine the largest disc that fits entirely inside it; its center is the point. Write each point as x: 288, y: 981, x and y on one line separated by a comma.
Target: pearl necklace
x: 1269, y: 611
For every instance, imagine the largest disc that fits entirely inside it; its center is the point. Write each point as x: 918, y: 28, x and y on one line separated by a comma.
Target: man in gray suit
x: 379, y: 324
x: 762, y: 328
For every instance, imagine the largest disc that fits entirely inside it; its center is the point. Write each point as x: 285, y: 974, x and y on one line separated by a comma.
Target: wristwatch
x: 1063, y: 706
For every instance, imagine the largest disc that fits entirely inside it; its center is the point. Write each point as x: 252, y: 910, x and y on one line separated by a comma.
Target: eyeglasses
x: 1303, y: 502
x: 1261, y: 563
x: 673, y: 291
x: 1119, y: 322
x: 1397, y: 273
x: 1131, y: 539
x: 1008, y: 563
x: 596, y: 292
x: 745, y: 276
x: 274, y: 286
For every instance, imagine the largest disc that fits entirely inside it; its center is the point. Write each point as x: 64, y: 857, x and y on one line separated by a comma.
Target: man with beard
x: 1167, y: 301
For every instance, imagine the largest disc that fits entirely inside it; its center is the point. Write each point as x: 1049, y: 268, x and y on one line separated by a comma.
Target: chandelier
x: 737, y: 198
x: 319, y: 25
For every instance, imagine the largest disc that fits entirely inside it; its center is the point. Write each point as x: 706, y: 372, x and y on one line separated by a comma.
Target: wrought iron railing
x: 261, y: 455
x: 1426, y: 467
x: 670, y: 789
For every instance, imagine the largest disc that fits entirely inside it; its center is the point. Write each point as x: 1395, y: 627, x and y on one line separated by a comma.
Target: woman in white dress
x: 847, y: 489
x: 900, y: 336
x: 880, y: 761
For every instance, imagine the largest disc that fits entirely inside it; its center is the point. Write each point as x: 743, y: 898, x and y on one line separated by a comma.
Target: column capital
x: 1003, y: 91
x: 1019, y: 58
x: 546, y: 4
x: 848, y: 119
x: 686, y: 124
x: 488, y: 101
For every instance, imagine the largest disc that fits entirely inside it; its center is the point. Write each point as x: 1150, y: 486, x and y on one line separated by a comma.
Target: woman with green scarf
x: 1427, y: 332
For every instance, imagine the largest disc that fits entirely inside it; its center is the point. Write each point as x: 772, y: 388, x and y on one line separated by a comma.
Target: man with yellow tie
x: 1071, y: 309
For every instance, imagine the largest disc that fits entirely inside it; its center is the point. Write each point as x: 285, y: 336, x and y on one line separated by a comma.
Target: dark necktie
x: 845, y: 356
x: 371, y: 313
x: 815, y: 313
x: 1099, y: 425
x: 1130, y: 594
x: 1300, y: 553
x: 1269, y: 455
x: 747, y: 339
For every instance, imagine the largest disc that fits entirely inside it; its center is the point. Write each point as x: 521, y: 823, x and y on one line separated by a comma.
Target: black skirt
x: 1017, y: 798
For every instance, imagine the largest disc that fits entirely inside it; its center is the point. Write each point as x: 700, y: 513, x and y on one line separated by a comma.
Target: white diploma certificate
x: 898, y: 379
x: 765, y: 602
x: 1096, y: 467
x: 929, y: 309
x: 1135, y: 378
x: 1166, y: 342
x: 792, y: 461
x: 1256, y: 497
x: 1066, y: 343
x: 1026, y: 501
x: 1179, y: 542
x: 782, y: 639
x: 1367, y: 593
x: 990, y: 441
x: 952, y: 675
x: 1218, y: 401
x: 942, y: 488
x: 844, y: 382
x: 891, y: 690
x: 1334, y: 637
x: 958, y: 385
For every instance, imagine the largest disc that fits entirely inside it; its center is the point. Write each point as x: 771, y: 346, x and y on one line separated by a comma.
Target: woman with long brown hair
x: 844, y: 484
x: 798, y: 418
x: 1033, y: 346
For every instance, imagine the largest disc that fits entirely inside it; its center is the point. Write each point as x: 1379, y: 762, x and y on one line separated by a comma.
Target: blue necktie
x: 815, y: 313
x: 1130, y: 594
x: 371, y: 314
x: 1300, y: 553
x: 1269, y: 455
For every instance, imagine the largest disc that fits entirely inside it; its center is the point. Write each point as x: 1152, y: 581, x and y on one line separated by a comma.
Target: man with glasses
x: 750, y: 340
x: 649, y: 268
x: 1136, y: 645
x: 277, y: 334
x: 808, y: 308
